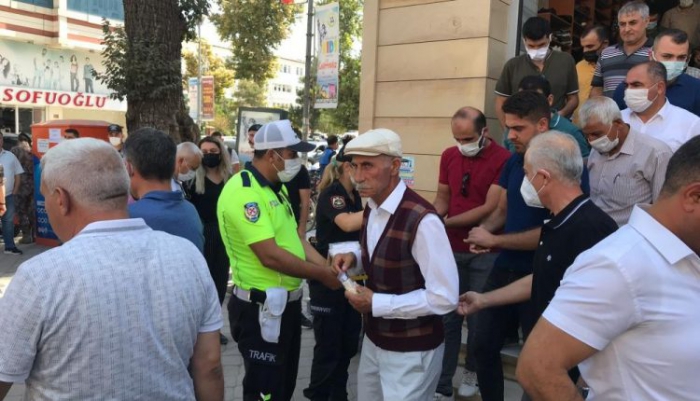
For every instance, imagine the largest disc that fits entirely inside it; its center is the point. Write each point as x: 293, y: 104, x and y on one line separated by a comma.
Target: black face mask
x: 591, y: 56
x: 211, y: 160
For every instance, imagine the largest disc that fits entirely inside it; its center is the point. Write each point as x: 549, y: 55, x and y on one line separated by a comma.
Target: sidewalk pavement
x: 231, y: 358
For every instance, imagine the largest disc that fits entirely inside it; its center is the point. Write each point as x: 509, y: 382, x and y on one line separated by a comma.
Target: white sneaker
x: 440, y: 397
x: 469, y: 386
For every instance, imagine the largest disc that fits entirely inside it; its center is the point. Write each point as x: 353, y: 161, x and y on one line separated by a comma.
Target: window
x: 112, y: 9
x: 40, y: 3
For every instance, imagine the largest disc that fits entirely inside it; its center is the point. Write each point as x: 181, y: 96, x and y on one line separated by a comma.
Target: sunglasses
x: 465, y: 185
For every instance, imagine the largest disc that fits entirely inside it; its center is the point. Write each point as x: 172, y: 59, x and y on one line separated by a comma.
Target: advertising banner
x: 40, y: 76
x: 207, y: 98
x: 328, y: 33
x: 192, y: 97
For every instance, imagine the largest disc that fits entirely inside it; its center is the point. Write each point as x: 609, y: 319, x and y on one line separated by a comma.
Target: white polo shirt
x: 634, y: 297
x: 12, y: 168
x: 672, y: 125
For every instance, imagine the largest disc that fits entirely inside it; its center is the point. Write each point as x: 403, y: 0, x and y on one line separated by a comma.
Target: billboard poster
x: 247, y: 117
x: 207, y: 98
x: 41, y: 76
x: 192, y: 97
x: 328, y: 32
x: 407, y: 170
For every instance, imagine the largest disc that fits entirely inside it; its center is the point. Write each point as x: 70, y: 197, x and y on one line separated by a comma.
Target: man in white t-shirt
x: 627, y: 310
x: 119, y: 311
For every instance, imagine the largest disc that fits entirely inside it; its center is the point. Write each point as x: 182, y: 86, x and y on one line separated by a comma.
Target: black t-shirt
x: 206, y: 203
x: 333, y: 201
x: 574, y: 230
x: 300, y: 181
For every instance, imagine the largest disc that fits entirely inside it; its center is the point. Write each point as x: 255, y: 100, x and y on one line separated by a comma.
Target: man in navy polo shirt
x: 527, y: 114
x: 150, y: 161
x: 672, y: 49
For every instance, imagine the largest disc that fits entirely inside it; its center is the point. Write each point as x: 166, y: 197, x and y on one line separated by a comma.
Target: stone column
x: 424, y: 59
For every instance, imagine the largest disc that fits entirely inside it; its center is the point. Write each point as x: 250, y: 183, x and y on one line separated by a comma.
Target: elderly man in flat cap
x: 412, y: 277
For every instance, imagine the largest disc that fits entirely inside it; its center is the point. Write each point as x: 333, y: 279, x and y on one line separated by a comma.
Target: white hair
x: 634, y: 7
x: 189, y: 149
x: 90, y: 170
x: 600, y: 108
x: 558, y: 153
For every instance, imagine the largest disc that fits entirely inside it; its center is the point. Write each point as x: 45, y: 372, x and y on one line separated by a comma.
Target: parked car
x: 315, y: 155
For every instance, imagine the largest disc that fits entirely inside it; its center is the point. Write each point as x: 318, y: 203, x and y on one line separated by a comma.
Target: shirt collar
x: 391, y: 203
x: 563, y: 216
x: 277, y: 186
x: 658, y: 236
x: 106, y: 227
x: 627, y: 146
x: 163, y: 195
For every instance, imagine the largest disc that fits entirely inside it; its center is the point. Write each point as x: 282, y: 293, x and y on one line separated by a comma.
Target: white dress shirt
x: 431, y: 249
x: 672, y: 125
x: 634, y: 297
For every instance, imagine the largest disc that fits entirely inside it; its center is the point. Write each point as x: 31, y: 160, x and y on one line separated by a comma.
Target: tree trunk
x: 156, y: 28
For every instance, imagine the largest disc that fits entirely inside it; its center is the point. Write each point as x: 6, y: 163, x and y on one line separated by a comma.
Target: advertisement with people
x: 328, y: 56
x: 41, y: 76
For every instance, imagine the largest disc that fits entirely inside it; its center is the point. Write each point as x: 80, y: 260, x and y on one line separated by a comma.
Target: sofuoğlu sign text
x: 51, y: 98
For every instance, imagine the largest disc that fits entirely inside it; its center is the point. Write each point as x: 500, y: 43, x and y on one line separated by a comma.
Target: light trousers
x: 398, y: 376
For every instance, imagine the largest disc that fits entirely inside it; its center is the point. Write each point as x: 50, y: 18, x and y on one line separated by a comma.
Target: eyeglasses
x: 465, y: 185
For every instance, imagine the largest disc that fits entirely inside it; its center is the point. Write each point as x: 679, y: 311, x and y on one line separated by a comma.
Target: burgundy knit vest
x: 392, y: 270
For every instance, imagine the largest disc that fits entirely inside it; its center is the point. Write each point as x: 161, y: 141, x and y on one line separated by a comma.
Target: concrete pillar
x: 421, y: 61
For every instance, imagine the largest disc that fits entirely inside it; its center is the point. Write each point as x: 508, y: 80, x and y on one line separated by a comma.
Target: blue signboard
x: 43, y: 227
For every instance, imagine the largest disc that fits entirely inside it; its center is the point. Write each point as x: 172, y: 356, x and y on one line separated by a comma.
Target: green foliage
x: 249, y: 93
x: 130, y: 70
x: 254, y: 28
x: 212, y: 65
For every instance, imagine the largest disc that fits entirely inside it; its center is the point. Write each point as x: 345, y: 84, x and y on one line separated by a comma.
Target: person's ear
x: 550, y: 100
x: 129, y: 169
x: 691, y: 198
x: 543, y: 125
x: 395, y: 166
x: 63, y: 201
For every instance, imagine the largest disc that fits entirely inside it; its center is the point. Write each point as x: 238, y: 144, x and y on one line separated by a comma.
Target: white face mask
x: 673, y: 68
x: 472, y: 149
x: 530, y: 194
x: 638, y: 99
x: 115, y: 141
x: 537, y: 54
x: 603, y: 144
x: 291, y: 169
x: 686, y: 3
x: 187, y: 176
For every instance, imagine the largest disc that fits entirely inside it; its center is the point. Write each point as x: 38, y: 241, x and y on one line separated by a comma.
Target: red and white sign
x: 37, y: 97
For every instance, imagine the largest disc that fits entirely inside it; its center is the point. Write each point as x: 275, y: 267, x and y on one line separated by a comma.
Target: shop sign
x: 35, y: 97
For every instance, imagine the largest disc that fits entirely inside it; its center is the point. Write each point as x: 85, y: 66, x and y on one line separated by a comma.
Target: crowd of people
x: 576, y: 237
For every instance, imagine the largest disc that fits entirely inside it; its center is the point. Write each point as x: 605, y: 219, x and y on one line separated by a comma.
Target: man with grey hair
x: 187, y: 161
x: 625, y: 167
x: 553, y: 167
x: 649, y: 111
x: 632, y: 48
x: 131, y: 312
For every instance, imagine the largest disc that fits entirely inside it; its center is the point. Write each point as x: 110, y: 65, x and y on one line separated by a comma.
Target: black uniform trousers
x: 216, y: 257
x: 336, y: 330
x: 270, y: 369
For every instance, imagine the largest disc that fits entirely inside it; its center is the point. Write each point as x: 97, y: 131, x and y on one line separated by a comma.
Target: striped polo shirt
x: 613, y: 65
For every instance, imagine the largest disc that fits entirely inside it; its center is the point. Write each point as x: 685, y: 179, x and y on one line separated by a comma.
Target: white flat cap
x: 380, y: 141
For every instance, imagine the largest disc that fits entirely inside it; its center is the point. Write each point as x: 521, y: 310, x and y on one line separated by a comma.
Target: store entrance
x: 15, y: 120
x: 569, y: 18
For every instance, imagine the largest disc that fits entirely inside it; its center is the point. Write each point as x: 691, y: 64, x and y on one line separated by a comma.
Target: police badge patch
x: 252, y: 212
x: 338, y: 202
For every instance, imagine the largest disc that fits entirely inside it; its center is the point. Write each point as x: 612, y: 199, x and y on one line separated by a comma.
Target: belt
x: 259, y: 296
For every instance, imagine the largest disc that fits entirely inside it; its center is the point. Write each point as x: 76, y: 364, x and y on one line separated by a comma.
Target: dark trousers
x: 473, y: 272
x: 217, y: 259
x: 8, y: 222
x: 270, y: 369
x: 336, y: 330
x: 491, y: 331
x: 27, y: 215
x: 88, y: 86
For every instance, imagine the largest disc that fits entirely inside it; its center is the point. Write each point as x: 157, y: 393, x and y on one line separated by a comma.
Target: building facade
x: 282, y: 88
x: 48, y: 51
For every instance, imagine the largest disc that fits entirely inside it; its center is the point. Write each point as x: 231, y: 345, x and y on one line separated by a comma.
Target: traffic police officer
x: 336, y: 324
x: 268, y: 260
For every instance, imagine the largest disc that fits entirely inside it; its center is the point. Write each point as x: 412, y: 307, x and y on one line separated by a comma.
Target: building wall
x: 282, y: 89
x: 424, y: 59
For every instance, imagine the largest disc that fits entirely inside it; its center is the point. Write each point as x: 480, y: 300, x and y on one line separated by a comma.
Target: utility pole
x: 199, y: 74
x: 307, y: 70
